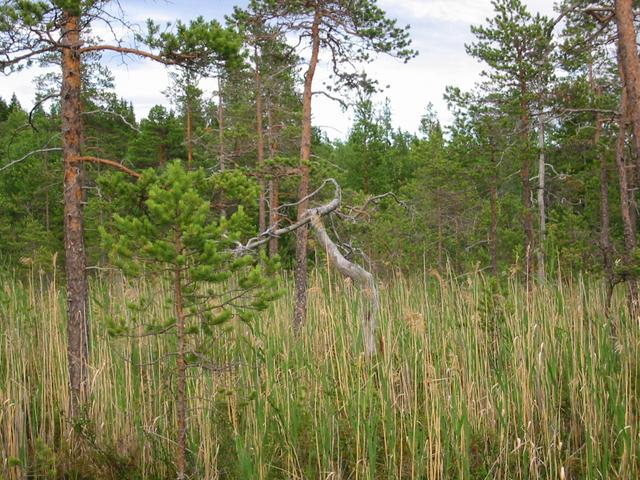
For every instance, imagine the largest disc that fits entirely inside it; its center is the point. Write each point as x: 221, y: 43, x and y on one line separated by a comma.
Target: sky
x: 439, y: 31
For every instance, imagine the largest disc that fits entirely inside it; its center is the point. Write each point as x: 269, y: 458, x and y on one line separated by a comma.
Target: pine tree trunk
x: 181, y: 377
x: 75, y: 257
x: 541, y: 204
x: 629, y: 71
x: 628, y: 218
x: 262, y: 215
x: 302, y: 234
x: 189, y: 136
x: 221, y: 158
x: 494, y: 212
x: 274, y: 187
x: 525, y: 174
x: 630, y: 64
x: 605, y: 219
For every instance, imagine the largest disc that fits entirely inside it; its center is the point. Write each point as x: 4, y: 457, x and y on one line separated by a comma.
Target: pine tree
x: 516, y: 46
x: 33, y: 30
x: 182, y: 239
x: 350, y: 32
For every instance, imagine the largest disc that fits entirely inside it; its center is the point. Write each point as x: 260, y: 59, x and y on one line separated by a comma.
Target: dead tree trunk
x: 75, y: 260
x: 525, y: 174
x: 360, y: 276
x: 302, y: 234
x: 541, y: 205
x: 345, y: 267
x: 274, y: 185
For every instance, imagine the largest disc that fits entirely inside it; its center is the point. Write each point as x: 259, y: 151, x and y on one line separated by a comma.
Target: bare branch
x: 115, y: 114
x: 38, y: 103
x: 129, y: 51
x: 325, y: 209
x: 34, y: 152
x: 342, y: 103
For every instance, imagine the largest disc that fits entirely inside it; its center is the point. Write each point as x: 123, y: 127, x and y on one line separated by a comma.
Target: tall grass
x: 474, y: 381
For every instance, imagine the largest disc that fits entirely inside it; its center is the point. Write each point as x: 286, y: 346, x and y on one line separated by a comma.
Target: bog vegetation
x: 467, y: 306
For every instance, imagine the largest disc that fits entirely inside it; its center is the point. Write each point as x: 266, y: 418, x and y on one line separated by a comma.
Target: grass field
x: 473, y: 381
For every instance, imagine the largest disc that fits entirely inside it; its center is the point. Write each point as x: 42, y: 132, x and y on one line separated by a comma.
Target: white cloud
x: 440, y: 29
x: 466, y: 11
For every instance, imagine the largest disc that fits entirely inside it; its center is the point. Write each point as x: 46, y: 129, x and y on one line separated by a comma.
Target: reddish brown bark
x: 629, y: 70
x: 75, y: 259
x: 630, y: 64
x: 626, y: 205
x: 163, y: 154
x: 262, y: 215
x: 302, y: 234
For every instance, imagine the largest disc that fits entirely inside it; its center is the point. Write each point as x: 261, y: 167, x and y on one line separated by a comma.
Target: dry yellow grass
x: 475, y: 382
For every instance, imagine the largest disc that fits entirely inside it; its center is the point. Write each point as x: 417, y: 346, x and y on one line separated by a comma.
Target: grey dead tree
x: 312, y: 218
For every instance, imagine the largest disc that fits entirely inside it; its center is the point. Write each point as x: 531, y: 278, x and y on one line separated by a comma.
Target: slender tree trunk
x: 221, y: 158
x: 440, y: 240
x: 163, y: 154
x: 274, y: 187
x: 274, y: 201
x: 628, y: 218
x: 605, y: 220
x: 262, y: 215
x: 75, y: 257
x: 630, y: 64
x: 189, y: 136
x: 494, y: 212
x: 541, y: 204
x: 629, y: 71
x: 525, y: 173
x: 182, y: 374
x: 47, y: 206
x: 302, y: 234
